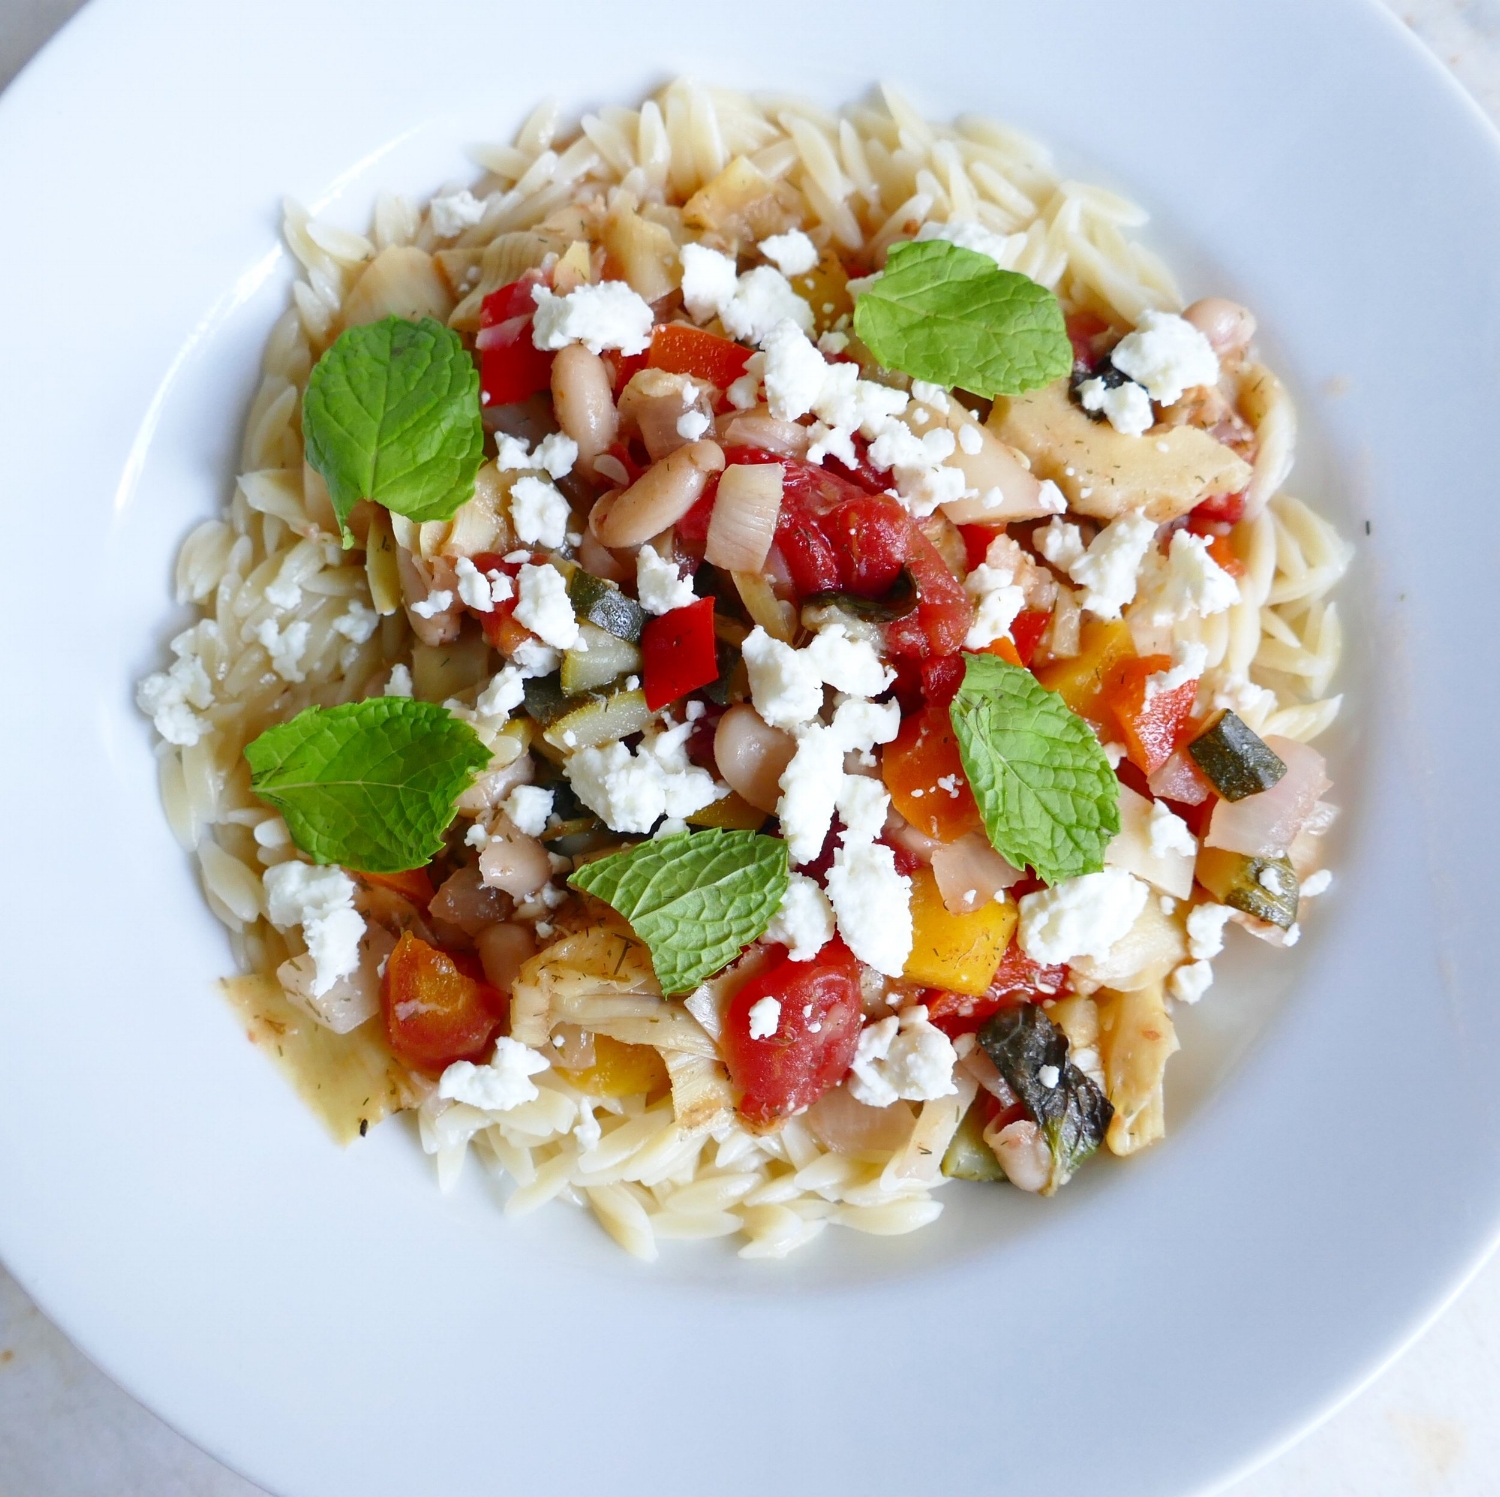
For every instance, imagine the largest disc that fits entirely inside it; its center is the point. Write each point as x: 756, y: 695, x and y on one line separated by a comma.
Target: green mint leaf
x: 1044, y: 786
x: 952, y: 316
x: 392, y: 414
x: 697, y: 899
x: 370, y: 785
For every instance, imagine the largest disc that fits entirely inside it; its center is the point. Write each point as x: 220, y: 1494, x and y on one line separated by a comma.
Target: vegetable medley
x: 797, y: 700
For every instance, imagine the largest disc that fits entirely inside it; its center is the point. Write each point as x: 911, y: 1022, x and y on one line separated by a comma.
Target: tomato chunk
x: 925, y: 776
x: 510, y: 367
x: 1224, y: 509
x: 680, y: 349
x: 1017, y: 980
x: 817, y: 1030
x: 1027, y: 630
x: 977, y: 541
x: 435, y: 1012
x: 941, y: 619
x: 1151, y: 726
x: 871, y: 537
x: 679, y: 653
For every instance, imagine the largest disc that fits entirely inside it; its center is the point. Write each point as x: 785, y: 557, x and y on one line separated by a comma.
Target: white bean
x: 752, y: 756
x: 1227, y: 325
x: 583, y: 401
x: 660, y: 497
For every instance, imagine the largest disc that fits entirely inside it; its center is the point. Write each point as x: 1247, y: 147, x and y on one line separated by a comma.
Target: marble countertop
x: 1428, y: 1426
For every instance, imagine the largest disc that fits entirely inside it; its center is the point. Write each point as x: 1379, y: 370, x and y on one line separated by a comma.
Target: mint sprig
x: 392, y: 414
x: 952, y: 316
x: 697, y: 899
x: 370, y: 785
x: 1044, y: 786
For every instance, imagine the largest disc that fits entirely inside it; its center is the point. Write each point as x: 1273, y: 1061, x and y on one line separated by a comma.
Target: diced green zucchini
x: 1264, y: 887
x: 598, y: 659
x: 603, y: 604
x: 545, y: 700
x: 968, y: 1156
x: 720, y: 689
x: 896, y: 604
x: 594, y: 721
x: 1235, y: 760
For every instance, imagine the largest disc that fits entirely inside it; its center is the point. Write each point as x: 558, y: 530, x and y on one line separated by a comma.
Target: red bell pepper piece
x: 510, y: 368
x: 1151, y: 727
x: 680, y: 349
x: 1027, y: 631
x: 679, y: 653
x: 977, y: 540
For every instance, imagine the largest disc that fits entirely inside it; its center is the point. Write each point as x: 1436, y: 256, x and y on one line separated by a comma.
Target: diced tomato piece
x: 1017, y: 980
x: 1083, y: 328
x: 925, y: 776
x: 941, y: 619
x: 510, y: 367
x: 679, y: 653
x: 1151, y: 727
x: 681, y: 349
x: 1027, y: 631
x: 435, y: 1011
x: 692, y: 528
x: 871, y: 538
x: 817, y: 1031
x: 941, y: 677
x: 1224, y: 509
x: 1223, y: 552
x: 864, y: 473
x: 977, y: 541
x: 414, y: 884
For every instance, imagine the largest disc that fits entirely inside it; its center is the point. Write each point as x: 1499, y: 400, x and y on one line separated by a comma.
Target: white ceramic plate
x: 328, y: 1323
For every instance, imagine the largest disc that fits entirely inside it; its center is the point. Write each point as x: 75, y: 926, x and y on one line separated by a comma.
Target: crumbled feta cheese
x: 658, y: 584
x: 833, y: 342
x: 971, y: 236
x: 454, y: 213
x: 1166, y: 354
x: 1205, y: 930
x: 477, y: 836
x: 1316, y: 883
x: 168, y: 697
x: 556, y: 453
x: 848, y: 664
x: 1081, y: 916
x: 321, y: 901
x: 400, y: 683
x: 1169, y: 833
x: 744, y: 391
x: 476, y: 589
x: 532, y: 658
x: 1108, y: 570
x: 287, y: 646
x: 804, y: 923
x: 708, y: 281
x: 1185, y: 581
x: 793, y: 253
x: 691, y: 425
x: 786, y: 685
x: 762, y: 298
x: 997, y: 602
x: 1272, y: 880
x: 793, y: 370
x: 356, y: 623
x: 1189, y: 659
x: 1049, y: 1076
x: 858, y: 726
x: 1060, y: 543
x: 863, y: 804
x: 765, y: 1018
x: 529, y: 807
x: 511, y: 453
x: 1240, y: 695
x: 902, y: 1057
x: 916, y: 463
x: 539, y: 512
x: 1126, y: 407
x: 504, y: 1083
x: 631, y: 792
x: 1191, y: 981
x: 607, y: 315
x: 872, y: 902
x: 544, y: 607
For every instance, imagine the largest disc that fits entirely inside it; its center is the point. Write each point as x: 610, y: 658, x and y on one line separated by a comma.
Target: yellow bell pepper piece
x: 732, y: 812
x: 958, y: 953
x: 1080, y: 682
x: 621, y: 1070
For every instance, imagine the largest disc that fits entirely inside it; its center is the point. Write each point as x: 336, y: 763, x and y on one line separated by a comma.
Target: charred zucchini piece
x: 1235, y: 760
x: 968, y: 1156
x: 1264, y: 887
x: 1029, y: 1050
x: 719, y: 690
x: 896, y: 604
x: 598, y: 659
x: 602, y: 604
x: 594, y: 720
x: 544, y: 698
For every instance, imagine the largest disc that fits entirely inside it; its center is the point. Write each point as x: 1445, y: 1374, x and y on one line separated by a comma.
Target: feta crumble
x: 1167, y: 355
x: 1185, y: 581
x: 1081, y: 916
x: 321, y: 901
x: 545, y: 608
x: 847, y: 663
x: 708, y: 281
x: 793, y: 253
x: 786, y: 685
x: 1316, y: 883
x: 691, y: 425
x: 902, y: 1057
x: 287, y: 646
x: 872, y: 903
x: 804, y: 923
x: 1109, y: 568
x: 454, y: 213
x: 632, y: 792
x: 997, y: 602
x: 658, y: 585
x: 479, y: 590
x: 499, y: 1086
x: 1126, y: 407
x: 971, y: 236
x: 1189, y: 660
x: 1169, y: 833
x: 1191, y: 981
x: 762, y: 298
x: 400, y: 684
x: 793, y: 371
x: 765, y: 1018
x: 168, y: 697
x: 538, y: 512
x: 529, y: 807
x: 356, y: 623
x: 608, y: 315
x: 1205, y: 930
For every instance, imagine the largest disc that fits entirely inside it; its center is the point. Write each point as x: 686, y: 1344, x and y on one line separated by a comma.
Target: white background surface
x: 1429, y: 1426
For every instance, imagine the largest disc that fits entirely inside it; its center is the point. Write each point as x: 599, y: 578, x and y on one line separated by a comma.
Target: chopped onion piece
x: 970, y: 873
x: 1265, y: 825
x: 744, y: 516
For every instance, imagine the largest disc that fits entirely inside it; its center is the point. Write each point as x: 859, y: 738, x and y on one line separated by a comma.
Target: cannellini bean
x: 583, y: 400
x: 1227, y: 325
x: 495, y: 784
x: 514, y: 863
x: 1023, y: 1154
x: 660, y: 497
x: 752, y: 756
x: 601, y: 561
x: 504, y: 950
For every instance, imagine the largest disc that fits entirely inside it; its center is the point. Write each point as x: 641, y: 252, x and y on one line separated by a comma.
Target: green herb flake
x: 697, y: 899
x: 1044, y: 786
x: 952, y: 316
x: 392, y: 414
x: 370, y: 785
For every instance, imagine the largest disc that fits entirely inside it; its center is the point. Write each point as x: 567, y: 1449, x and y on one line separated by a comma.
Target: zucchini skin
x: 602, y: 604
x: 968, y: 1157
x: 1235, y: 759
x: 1266, y: 888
